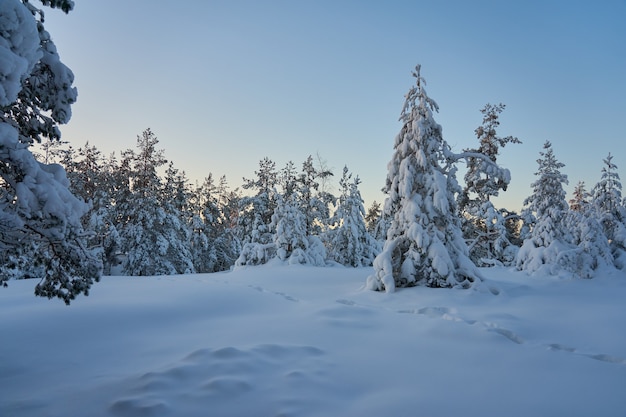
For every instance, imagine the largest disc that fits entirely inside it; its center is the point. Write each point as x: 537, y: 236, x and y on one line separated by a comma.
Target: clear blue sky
x: 225, y: 83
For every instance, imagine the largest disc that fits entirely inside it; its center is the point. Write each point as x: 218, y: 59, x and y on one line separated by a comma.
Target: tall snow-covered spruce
x: 424, y: 244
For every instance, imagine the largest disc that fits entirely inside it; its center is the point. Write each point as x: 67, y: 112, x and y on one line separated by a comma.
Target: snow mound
x: 261, y: 380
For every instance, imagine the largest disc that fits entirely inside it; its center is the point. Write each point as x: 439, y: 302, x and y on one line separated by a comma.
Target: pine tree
x: 484, y: 226
x: 608, y: 207
x: 153, y: 236
x: 549, y: 239
x: 92, y: 181
x: 292, y: 241
x: 256, y: 211
x: 174, y: 199
x: 214, y: 245
x: 289, y: 222
x: 580, y: 200
x: 40, y: 220
x: 424, y: 244
x: 372, y: 217
x: 350, y: 242
x: 255, y: 216
x: 315, y: 204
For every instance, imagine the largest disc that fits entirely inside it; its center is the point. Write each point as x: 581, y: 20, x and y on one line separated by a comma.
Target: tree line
x: 68, y: 223
x: 145, y: 217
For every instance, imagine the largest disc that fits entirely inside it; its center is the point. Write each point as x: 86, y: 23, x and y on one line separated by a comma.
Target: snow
x: 299, y: 340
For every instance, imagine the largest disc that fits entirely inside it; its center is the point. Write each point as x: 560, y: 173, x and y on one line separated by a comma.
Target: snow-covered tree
x: 255, y: 216
x: 315, y: 202
x: 548, y: 239
x: 91, y: 180
x: 40, y: 220
x: 372, y: 217
x: 214, y: 245
x: 580, y: 199
x: 591, y: 250
x: 483, y: 225
x: 609, y: 209
x: 154, y: 238
x: 256, y: 211
x: 350, y: 242
x: 424, y: 243
x: 174, y: 199
x: 291, y: 241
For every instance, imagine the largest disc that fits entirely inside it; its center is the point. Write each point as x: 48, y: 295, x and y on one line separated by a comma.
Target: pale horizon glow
x: 225, y: 84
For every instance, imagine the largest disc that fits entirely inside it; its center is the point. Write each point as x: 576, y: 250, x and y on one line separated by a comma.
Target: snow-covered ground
x: 302, y: 341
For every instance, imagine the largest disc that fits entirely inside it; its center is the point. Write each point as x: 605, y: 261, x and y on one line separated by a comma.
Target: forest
x: 144, y: 217
x: 70, y: 215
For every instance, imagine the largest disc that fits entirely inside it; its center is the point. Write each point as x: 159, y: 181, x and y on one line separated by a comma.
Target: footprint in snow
x: 281, y: 294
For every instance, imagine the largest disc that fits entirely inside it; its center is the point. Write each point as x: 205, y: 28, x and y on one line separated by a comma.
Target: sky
x: 224, y: 84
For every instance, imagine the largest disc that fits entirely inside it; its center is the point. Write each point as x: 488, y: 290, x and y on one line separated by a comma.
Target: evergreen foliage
x: 424, y: 244
x: 608, y: 207
x: 154, y: 237
x: 350, y: 242
x: 40, y: 220
x: 483, y: 225
x: 560, y: 239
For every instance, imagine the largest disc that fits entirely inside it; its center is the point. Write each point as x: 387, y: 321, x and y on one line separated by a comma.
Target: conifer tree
x: 40, y: 221
x: 256, y: 211
x: 483, y: 225
x: 549, y: 240
x: 315, y: 203
x: 91, y: 179
x: 580, y: 200
x: 255, y: 226
x: 350, y: 242
x: 424, y: 244
x: 372, y: 217
x: 214, y: 245
x: 152, y: 234
x: 608, y: 207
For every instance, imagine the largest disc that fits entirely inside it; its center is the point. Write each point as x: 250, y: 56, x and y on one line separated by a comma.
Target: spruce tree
x: 608, y: 207
x: 549, y: 239
x: 255, y: 227
x: 424, y: 244
x: 483, y: 225
x: 256, y: 211
x: 153, y: 236
x: 580, y: 200
x: 315, y: 202
x: 350, y: 242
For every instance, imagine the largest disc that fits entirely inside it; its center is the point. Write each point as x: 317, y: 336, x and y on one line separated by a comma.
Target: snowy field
x: 302, y: 341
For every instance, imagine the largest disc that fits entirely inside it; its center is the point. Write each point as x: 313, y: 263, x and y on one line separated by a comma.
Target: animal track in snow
x: 451, y: 314
x: 281, y: 294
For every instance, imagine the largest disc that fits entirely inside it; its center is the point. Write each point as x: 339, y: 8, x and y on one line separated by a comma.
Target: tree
x: 315, y: 204
x: 255, y: 216
x: 40, y: 220
x: 214, y: 245
x: 256, y: 210
x: 154, y: 238
x: 484, y: 227
x: 91, y: 179
x: 609, y: 209
x: 548, y: 240
x: 372, y: 217
x: 350, y: 242
x: 580, y: 200
x: 424, y: 244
